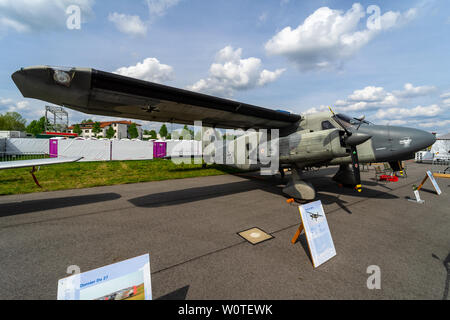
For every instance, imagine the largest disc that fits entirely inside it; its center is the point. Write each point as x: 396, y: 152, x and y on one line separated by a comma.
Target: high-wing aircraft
x: 314, y: 140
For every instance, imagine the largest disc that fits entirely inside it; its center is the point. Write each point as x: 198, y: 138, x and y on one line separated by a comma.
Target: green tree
x: 96, y: 129
x: 163, y: 131
x: 153, y: 134
x: 110, y: 133
x: 12, y: 121
x: 77, y: 129
x: 36, y: 126
x: 133, y: 131
x: 86, y: 121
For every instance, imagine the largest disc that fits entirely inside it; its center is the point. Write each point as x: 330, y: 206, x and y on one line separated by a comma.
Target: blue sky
x: 283, y: 54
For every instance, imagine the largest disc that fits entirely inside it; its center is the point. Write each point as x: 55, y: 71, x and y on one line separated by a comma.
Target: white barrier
x: 28, y: 146
x: 99, y: 150
x: 176, y: 148
x: 90, y: 150
x: 131, y: 150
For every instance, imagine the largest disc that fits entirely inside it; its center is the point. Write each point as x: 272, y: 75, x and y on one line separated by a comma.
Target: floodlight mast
x: 59, y: 121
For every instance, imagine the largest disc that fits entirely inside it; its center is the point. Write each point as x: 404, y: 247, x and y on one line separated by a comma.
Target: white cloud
x: 368, y: 94
x: 160, y: 7
x: 230, y: 72
x: 9, y: 105
x: 128, y: 24
x: 267, y: 76
x: 411, y: 92
x: 372, y: 98
x: 315, y: 110
x: 436, y: 123
x: 327, y: 38
x: 446, y: 99
x: 417, y: 112
x: 368, y: 98
x: 28, y: 15
x: 150, y: 70
x: 5, y: 101
x: 446, y: 102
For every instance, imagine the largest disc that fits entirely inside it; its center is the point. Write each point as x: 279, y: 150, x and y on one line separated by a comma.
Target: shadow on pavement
x: 182, y: 196
x: 16, y: 208
x: 179, y: 294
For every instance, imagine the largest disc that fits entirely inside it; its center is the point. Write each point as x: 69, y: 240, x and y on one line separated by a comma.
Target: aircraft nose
x: 410, y: 139
x: 426, y: 139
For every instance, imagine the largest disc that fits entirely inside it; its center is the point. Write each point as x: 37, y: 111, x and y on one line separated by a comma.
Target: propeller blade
x: 340, y: 123
x: 353, y: 141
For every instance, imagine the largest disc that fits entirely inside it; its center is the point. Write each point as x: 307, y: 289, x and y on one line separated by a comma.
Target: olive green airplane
x: 304, y: 141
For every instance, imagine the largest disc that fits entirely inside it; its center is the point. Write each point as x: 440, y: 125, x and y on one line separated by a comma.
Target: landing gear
x: 282, y: 173
x: 297, y: 188
x: 345, y: 176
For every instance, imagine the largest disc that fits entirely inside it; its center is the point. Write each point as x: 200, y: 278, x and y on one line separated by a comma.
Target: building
x: 120, y: 128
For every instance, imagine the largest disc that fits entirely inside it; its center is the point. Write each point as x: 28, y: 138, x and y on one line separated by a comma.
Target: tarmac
x: 189, y: 227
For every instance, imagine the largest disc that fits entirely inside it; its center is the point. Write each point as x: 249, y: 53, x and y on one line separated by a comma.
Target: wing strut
x: 34, y: 177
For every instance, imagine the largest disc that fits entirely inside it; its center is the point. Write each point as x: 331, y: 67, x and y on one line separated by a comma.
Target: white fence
x: 104, y: 150
x: 90, y: 150
x: 131, y: 150
x: 26, y: 146
x: 98, y: 150
x: 177, y: 148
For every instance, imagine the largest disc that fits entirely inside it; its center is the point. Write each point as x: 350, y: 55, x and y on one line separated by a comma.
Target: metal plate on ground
x: 255, y: 235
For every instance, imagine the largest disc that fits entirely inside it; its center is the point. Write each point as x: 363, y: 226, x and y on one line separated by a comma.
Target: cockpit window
x: 349, y: 121
x: 327, y: 125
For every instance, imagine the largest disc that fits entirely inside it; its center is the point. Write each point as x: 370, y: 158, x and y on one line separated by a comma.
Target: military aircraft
x: 304, y: 141
x: 314, y: 215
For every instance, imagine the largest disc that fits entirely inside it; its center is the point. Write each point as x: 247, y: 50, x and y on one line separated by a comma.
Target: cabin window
x: 327, y: 125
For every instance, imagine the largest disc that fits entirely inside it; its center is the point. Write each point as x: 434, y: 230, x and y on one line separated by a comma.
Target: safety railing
x: 22, y: 156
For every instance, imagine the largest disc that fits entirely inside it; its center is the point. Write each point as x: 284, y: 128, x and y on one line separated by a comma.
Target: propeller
x: 352, y: 140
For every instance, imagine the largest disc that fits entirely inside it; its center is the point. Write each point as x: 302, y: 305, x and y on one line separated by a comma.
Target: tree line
x: 13, y: 121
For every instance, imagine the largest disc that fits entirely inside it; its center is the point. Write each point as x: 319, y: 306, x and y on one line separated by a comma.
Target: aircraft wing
x: 35, y: 163
x: 97, y: 92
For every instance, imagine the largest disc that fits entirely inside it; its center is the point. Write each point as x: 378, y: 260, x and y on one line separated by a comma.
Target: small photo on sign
x: 255, y: 235
x: 126, y: 280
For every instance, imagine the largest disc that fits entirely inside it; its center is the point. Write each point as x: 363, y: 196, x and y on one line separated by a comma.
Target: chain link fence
x: 22, y: 156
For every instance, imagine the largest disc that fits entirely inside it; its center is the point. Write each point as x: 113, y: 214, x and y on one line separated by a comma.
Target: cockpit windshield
x: 349, y: 121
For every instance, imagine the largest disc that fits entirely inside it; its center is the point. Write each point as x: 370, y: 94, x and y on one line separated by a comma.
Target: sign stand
x: 433, y: 181
x: 297, y: 234
x: 418, y: 200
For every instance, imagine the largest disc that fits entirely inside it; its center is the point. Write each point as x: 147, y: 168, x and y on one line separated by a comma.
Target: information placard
x: 433, y: 181
x: 318, y: 234
x: 126, y: 280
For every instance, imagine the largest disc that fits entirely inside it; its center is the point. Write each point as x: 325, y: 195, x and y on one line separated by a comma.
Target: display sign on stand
x: 318, y: 236
x: 126, y: 280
